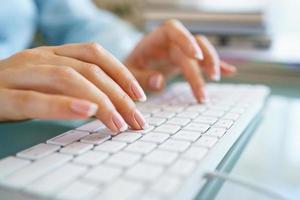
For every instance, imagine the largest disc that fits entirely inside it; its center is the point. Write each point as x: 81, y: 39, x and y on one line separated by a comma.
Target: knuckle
x: 127, y: 105
x: 63, y: 76
x: 124, y: 73
x: 64, y: 72
x: 27, y: 54
x: 92, y: 69
x: 93, y: 47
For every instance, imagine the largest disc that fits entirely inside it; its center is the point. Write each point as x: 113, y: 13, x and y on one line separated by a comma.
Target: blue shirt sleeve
x: 17, y: 26
x: 69, y: 21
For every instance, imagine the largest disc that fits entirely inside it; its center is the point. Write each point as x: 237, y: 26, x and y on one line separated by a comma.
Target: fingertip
x: 156, y: 82
x: 198, y: 55
x: 201, y: 96
x: 138, y: 92
x: 215, y: 77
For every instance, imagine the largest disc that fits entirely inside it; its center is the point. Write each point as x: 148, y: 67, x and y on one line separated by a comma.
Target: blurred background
x: 262, y: 38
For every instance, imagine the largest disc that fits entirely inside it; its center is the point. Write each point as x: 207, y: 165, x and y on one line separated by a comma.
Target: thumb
x: 150, y: 80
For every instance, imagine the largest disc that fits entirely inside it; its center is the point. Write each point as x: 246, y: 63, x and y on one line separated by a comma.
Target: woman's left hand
x: 171, y: 48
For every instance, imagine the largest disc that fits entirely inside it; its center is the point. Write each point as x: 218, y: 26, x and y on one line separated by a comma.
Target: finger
x: 227, y: 69
x: 66, y: 81
x: 191, y: 72
x: 174, y: 32
x: 211, y: 61
x: 178, y: 34
x: 95, y: 54
x: 150, y: 80
x: 21, y: 104
x: 116, y: 94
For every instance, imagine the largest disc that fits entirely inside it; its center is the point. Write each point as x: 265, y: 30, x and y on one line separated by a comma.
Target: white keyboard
x: 166, y: 161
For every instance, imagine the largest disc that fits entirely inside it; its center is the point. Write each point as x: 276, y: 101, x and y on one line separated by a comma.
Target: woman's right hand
x: 73, y: 81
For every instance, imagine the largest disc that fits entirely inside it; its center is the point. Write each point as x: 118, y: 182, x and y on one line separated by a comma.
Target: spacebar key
x: 32, y: 171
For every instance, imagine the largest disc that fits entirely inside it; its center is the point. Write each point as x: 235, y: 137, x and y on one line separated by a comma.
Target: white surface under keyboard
x: 90, y: 163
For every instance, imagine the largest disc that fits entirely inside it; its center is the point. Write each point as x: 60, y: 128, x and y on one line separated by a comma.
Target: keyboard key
x: 216, y: 132
x: 11, y: 164
x: 214, y: 113
x: 76, y: 148
x: 155, y: 121
x: 143, y: 131
x: 150, y: 109
x: 127, y: 137
x: 201, y: 128
x: 144, y: 172
x: 155, y: 137
x: 150, y: 196
x: 173, y: 108
x: 207, y: 141
x: 238, y: 110
x: 107, y: 131
x: 164, y: 114
x: 38, y: 151
x: 183, y: 167
x: 196, y: 108
x: 122, y: 190
x: 110, y: 146
x: 79, y: 190
x: 232, y: 116
x: 123, y: 159
x: 161, y: 157
x: 167, y: 185
x: 224, y: 123
x: 57, y: 179
x: 95, y: 138
x: 205, y: 120
x: 167, y: 128
x: 190, y: 136
x: 103, y: 174
x: 195, y: 153
x: 189, y: 115
x: 175, y: 145
x: 91, y: 158
x: 91, y: 126
x: 140, y: 147
x: 30, y: 172
x: 178, y: 121
x: 68, y: 137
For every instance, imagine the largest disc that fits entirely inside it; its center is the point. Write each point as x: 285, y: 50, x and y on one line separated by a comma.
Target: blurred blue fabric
x: 60, y: 22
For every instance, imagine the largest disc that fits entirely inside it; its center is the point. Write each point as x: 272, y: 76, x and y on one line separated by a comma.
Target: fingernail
x: 138, y: 91
x: 215, y: 77
x: 198, y: 54
x: 155, y: 81
x: 119, y: 122
x: 202, y: 96
x: 140, y: 119
x: 84, y: 107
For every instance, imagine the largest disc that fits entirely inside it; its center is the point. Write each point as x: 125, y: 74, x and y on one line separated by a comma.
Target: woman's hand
x: 171, y: 48
x: 72, y: 81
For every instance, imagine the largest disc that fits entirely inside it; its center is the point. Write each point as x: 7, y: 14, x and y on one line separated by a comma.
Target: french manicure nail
x: 140, y: 119
x: 84, y: 107
x: 216, y: 77
x: 138, y: 91
x: 119, y: 122
x: 155, y: 81
x: 198, y: 55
